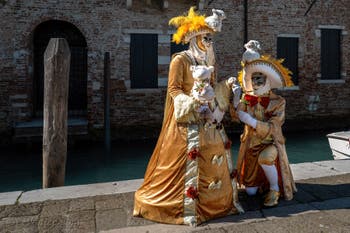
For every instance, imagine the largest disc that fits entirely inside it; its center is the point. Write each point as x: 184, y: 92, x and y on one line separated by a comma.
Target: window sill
x: 330, y: 81
x: 293, y: 88
x: 144, y: 90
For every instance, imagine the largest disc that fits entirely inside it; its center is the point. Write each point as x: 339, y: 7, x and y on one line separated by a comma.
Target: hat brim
x: 265, y: 67
x: 192, y: 34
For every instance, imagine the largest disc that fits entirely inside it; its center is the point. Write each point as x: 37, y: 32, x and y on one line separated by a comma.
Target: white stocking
x: 251, y: 191
x: 271, y: 175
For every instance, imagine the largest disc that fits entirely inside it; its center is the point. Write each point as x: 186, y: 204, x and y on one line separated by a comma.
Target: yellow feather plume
x: 187, y: 24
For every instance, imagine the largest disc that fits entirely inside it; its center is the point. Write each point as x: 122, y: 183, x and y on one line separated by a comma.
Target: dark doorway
x: 77, y: 103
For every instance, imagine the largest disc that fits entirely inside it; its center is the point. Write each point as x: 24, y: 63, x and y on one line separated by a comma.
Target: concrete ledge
x: 108, y: 206
x: 80, y: 191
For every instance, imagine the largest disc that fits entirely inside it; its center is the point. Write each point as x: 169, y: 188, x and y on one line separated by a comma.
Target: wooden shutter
x: 144, y: 60
x: 287, y: 48
x: 330, y: 54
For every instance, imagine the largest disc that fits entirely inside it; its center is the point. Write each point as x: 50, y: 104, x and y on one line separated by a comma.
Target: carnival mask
x: 205, y: 41
x: 260, y: 84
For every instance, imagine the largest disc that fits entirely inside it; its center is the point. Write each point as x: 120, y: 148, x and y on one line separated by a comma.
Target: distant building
x: 312, y: 36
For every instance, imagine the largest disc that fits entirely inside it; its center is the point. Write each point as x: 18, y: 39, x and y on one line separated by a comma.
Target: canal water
x: 21, y: 167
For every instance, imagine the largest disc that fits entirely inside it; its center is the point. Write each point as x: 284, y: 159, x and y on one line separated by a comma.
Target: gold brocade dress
x: 187, y: 180
x: 253, y: 141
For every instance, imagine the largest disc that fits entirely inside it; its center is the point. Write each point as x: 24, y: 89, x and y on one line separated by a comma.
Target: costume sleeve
x: 184, y: 105
x: 223, y: 94
x: 273, y: 126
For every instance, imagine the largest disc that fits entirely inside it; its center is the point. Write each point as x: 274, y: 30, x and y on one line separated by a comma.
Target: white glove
x: 236, y: 90
x: 218, y: 115
x: 231, y: 81
x: 247, y: 119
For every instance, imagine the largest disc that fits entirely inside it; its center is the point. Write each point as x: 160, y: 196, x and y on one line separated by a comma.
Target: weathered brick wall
x: 107, y: 25
x: 268, y: 19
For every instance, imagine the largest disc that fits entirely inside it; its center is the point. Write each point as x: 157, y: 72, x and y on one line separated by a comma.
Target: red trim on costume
x: 193, y: 154
x: 192, y: 192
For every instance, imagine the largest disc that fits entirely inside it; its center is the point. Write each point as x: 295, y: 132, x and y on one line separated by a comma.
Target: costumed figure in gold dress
x: 262, y: 161
x: 188, y: 178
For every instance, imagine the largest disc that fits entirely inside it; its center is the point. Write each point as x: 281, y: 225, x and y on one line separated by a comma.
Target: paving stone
x: 81, y: 204
x: 21, y: 210
x: 55, y: 208
x: 319, y: 191
x: 110, y: 219
x: 336, y: 165
x: 19, y: 224
x: 321, y: 205
x: 81, y: 222
x: 110, y: 202
x: 9, y: 198
x: 136, y: 221
x: 311, y: 170
x: 287, y: 211
x: 303, y: 196
x: 338, y: 203
x: 52, y: 224
x: 80, y: 191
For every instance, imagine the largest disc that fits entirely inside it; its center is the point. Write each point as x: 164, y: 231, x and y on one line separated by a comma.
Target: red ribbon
x: 253, y: 100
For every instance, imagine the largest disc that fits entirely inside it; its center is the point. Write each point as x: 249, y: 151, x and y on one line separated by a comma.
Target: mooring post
x: 56, y: 81
x: 107, y: 122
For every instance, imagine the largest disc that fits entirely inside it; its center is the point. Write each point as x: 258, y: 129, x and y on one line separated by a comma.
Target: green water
x: 21, y: 168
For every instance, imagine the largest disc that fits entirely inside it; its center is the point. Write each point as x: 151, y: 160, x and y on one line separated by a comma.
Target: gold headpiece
x: 252, y: 62
x: 193, y: 24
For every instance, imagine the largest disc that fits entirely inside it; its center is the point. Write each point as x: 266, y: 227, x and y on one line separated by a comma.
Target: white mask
x: 202, y: 57
x: 263, y: 90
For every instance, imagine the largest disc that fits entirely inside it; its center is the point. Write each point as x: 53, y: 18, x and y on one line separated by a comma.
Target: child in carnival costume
x: 188, y: 178
x: 262, y: 161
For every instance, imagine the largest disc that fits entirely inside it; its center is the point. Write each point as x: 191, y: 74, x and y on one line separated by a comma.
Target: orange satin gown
x: 165, y: 194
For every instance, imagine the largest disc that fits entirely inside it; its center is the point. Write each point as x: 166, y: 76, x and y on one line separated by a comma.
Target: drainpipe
x: 245, y: 21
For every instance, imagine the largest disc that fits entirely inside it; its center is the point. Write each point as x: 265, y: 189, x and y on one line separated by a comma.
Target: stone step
x: 34, y: 128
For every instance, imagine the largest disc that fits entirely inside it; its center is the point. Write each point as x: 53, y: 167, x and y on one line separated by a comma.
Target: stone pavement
x: 322, y: 204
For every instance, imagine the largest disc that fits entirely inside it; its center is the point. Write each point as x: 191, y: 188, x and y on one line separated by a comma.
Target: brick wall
x: 107, y: 25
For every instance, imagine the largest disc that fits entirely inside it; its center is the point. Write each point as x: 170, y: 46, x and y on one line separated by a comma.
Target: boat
x: 340, y: 144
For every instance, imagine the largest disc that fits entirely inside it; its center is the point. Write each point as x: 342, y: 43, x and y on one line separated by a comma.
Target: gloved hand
x: 247, y: 119
x: 231, y: 81
x: 218, y: 115
x: 236, y: 90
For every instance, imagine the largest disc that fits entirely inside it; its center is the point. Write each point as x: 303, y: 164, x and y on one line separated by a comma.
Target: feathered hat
x: 193, y: 24
x: 278, y: 75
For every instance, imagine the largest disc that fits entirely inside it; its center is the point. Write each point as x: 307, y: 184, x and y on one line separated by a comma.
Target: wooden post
x: 107, y: 122
x: 56, y: 81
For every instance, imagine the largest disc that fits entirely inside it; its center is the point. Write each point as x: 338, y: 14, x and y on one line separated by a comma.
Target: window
x: 144, y: 61
x: 330, y: 53
x: 287, y: 48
